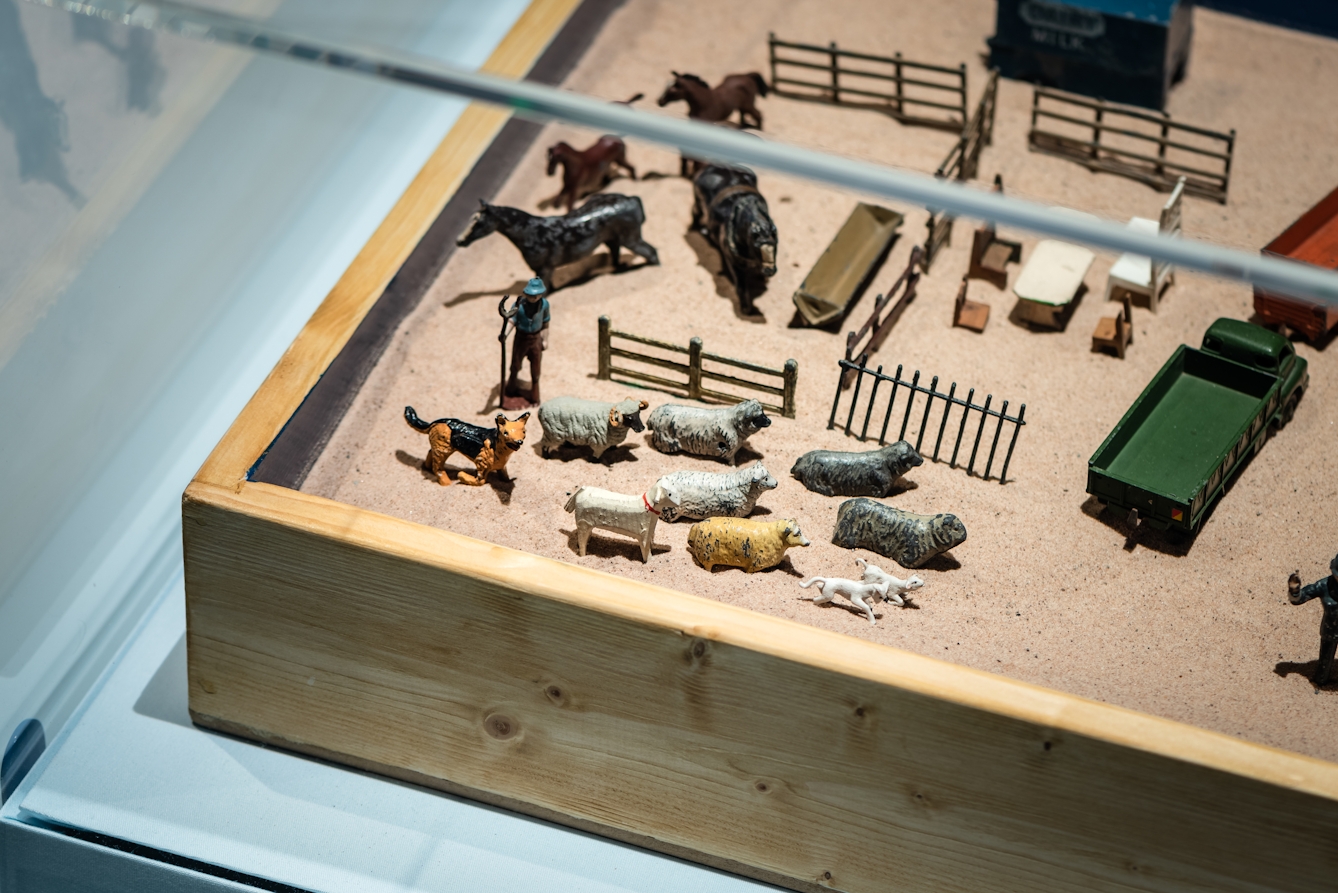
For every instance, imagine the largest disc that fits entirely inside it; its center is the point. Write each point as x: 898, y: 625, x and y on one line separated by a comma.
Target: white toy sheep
x: 709, y: 494
x: 632, y: 515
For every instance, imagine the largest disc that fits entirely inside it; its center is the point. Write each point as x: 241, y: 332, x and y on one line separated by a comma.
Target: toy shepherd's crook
x: 501, y: 339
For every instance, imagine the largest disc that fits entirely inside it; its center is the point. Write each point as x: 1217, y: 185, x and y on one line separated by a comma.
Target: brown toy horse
x: 588, y: 171
x: 489, y: 448
x: 737, y: 92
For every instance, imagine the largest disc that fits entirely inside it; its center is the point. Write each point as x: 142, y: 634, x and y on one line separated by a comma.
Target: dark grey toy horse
x: 547, y: 243
x: 729, y: 211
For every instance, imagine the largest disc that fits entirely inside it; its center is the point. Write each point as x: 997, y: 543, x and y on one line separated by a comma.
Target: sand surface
x: 1046, y: 588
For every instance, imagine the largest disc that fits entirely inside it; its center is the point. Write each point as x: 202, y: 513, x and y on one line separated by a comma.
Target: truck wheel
x: 1289, y: 408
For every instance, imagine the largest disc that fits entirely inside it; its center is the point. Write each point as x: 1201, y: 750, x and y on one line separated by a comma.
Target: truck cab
x: 1261, y: 349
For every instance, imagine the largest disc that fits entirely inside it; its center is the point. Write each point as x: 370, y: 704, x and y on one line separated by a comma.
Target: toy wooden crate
x: 780, y: 751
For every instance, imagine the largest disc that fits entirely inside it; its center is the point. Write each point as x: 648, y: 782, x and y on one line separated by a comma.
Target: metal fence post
x: 695, y: 369
x: 836, y: 76
x: 1161, y: 146
x: 1017, y: 426
x: 605, y: 349
x: 1226, y: 168
x: 771, y: 52
x: 965, y: 117
x: 790, y: 378
x: 1097, y: 130
x: 901, y: 107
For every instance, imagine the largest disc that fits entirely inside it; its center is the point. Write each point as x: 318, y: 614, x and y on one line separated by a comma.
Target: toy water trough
x: 847, y: 265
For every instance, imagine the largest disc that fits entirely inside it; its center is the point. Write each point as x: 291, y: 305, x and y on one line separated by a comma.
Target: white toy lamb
x: 877, y: 584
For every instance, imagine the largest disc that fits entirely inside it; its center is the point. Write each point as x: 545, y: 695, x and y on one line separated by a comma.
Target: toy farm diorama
x: 770, y: 393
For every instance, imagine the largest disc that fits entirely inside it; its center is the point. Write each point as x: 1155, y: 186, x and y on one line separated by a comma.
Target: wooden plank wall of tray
x: 738, y: 739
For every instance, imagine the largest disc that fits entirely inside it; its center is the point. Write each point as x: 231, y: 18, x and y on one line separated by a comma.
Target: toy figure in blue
x: 1326, y: 590
x: 529, y: 316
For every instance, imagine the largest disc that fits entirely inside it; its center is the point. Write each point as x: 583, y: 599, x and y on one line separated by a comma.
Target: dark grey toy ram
x: 870, y: 473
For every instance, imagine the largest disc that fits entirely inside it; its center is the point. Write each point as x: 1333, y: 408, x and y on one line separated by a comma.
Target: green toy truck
x: 1197, y: 421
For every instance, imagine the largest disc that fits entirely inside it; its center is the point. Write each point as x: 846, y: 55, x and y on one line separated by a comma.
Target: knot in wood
x: 501, y: 726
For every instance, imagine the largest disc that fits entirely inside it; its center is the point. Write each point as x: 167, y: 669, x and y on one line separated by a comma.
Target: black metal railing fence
x: 946, y: 404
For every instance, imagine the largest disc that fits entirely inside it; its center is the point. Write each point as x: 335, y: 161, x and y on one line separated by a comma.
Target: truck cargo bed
x: 1179, y: 430
x: 1193, y: 421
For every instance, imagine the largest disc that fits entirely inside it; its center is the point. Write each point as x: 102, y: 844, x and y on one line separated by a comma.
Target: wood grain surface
x: 698, y: 726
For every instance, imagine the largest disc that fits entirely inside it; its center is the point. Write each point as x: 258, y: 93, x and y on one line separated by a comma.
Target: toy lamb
x: 717, y: 433
x: 708, y: 494
x: 632, y: 515
x: 593, y: 423
x: 877, y: 584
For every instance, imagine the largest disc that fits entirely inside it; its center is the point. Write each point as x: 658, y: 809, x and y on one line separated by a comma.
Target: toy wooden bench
x: 1115, y: 332
x: 967, y: 313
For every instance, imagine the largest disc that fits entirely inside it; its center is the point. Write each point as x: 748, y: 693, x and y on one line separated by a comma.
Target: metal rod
x: 1003, y: 414
x: 910, y: 402
x: 966, y: 412
x: 984, y: 415
x: 708, y: 141
x: 1008, y: 457
x: 947, y: 411
x: 854, y: 398
x: 933, y: 392
x: 887, y: 416
x: 868, y: 413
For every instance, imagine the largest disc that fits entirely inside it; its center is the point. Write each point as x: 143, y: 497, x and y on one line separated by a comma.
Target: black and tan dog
x: 489, y: 448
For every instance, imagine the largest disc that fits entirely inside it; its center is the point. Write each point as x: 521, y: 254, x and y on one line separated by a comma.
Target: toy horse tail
x: 762, y: 88
x: 571, y: 503
x: 414, y: 421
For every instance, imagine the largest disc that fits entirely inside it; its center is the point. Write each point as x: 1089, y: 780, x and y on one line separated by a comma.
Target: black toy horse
x: 547, y: 243
x: 729, y: 211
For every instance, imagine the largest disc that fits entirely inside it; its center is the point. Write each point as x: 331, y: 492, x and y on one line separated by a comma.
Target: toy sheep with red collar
x: 632, y: 515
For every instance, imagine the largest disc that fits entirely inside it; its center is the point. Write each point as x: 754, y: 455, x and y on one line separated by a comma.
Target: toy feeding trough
x: 847, y: 265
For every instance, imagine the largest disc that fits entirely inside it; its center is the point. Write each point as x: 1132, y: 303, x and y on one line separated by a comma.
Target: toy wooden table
x: 1050, y: 280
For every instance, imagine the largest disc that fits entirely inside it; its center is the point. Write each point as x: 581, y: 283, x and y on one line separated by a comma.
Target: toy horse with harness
x: 729, y: 211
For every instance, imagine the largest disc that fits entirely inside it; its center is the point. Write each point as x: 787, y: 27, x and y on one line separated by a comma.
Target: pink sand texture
x: 1045, y: 589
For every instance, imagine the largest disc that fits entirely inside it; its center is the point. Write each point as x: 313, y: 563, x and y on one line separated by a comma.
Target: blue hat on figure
x: 535, y: 287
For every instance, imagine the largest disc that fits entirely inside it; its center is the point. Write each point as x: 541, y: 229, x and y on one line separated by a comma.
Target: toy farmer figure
x: 530, y: 317
x: 1326, y: 591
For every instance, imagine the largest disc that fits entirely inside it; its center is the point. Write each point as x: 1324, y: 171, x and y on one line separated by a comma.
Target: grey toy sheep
x: 907, y: 538
x: 593, y: 423
x: 709, y: 494
x: 871, y: 473
x: 717, y: 433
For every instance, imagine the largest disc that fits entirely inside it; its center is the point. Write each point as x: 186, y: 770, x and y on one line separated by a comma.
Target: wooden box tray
x: 804, y: 757
x: 1312, y: 239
